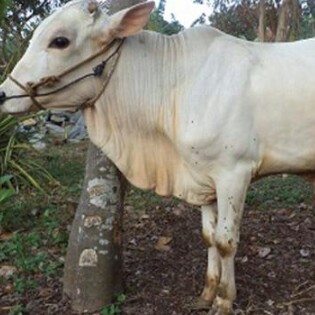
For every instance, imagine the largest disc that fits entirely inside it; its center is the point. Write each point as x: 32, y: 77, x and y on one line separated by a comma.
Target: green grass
x: 36, y: 222
x: 115, y: 308
x: 279, y: 192
x: 5, y: 191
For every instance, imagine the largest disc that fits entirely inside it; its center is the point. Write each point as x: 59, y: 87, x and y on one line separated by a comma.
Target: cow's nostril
x: 3, y: 97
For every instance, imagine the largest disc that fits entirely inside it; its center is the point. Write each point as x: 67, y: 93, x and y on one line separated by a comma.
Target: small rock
x: 270, y: 302
x: 244, y: 260
x: 264, y: 252
x: 305, y: 252
x: 40, y: 145
x: 177, y: 212
x: 308, y: 221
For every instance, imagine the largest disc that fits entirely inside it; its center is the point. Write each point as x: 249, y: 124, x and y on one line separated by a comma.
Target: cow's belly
x: 153, y: 163
x: 288, y: 141
x: 289, y: 159
x: 181, y: 184
x: 284, y: 109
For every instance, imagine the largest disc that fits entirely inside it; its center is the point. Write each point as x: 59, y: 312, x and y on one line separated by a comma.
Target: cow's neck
x: 135, y: 122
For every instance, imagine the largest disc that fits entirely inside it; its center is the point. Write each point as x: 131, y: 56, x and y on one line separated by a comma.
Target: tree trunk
x: 295, y: 20
x: 93, y: 268
x: 261, y: 23
x: 283, y: 22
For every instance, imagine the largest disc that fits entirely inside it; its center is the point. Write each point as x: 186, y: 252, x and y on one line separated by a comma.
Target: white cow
x: 197, y: 115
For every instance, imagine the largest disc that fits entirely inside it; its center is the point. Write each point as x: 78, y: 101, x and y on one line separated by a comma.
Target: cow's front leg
x: 231, y: 190
x: 209, y: 222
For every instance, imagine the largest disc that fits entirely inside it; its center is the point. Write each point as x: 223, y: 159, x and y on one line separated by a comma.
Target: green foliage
x: 24, y: 252
x: 12, y: 157
x: 115, y: 308
x: 17, y: 21
x: 240, y: 17
x: 279, y: 192
x: 307, y: 26
x: 17, y: 310
x: 239, y: 20
x: 5, y: 193
x: 158, y: 24
x: 40, y: 222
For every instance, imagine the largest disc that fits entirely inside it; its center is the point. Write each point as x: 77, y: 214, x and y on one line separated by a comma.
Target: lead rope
x: 28, y: 91
x: 90, y: 103
x: 31, y: 88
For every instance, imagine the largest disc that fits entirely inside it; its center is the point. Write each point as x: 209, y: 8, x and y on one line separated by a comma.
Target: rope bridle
x: 31, y: 88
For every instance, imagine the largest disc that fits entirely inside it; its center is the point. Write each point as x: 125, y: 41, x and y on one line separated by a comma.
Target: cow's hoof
x: 199, y: 304
x: 221, y: 307
x: 215, y: 311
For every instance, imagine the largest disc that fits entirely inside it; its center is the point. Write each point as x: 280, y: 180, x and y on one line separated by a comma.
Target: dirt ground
x: 275, y: 265
x: 165, y: 263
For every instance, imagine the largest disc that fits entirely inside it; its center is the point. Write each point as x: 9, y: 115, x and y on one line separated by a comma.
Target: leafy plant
x: 5, y: 193
x: 18, y: 19
x: 115, y: 308
x: 17, y: 310
x: 159, y: 24
x: 13, y: 161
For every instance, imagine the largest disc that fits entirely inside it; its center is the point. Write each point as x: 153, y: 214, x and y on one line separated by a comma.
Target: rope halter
x: 31, y: 88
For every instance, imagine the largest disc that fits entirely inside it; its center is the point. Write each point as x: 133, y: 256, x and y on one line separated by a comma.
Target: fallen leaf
x: 29, y: 122
x: 163, y: 243
x: 5, y: 236
x: 145, y: 217
x: 7, y: 271
x: 9, y: 288
x: 178, y: 212
x: 45, y: 292
x: 270, y: 302
x: 264, y: 252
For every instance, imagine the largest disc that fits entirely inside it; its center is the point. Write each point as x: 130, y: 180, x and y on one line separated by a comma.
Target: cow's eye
x: 60, y: 43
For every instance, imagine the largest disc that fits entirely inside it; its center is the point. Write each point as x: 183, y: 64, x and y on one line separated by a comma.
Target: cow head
x: 66, y: 38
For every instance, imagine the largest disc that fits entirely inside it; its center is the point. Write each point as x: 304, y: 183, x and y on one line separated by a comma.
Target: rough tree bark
x: 93, y: 267
x: 288, y: 21
x: 283, y: 22
x: 261, y: 21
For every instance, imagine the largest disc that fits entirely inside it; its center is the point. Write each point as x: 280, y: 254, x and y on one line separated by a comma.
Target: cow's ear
x: 132, y: 20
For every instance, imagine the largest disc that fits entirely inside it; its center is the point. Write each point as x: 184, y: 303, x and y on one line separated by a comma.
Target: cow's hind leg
x: 209, y: 222
x: 231, y: 190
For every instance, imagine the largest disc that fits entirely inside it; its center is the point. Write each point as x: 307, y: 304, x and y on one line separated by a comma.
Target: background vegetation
x: 266, y: 20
